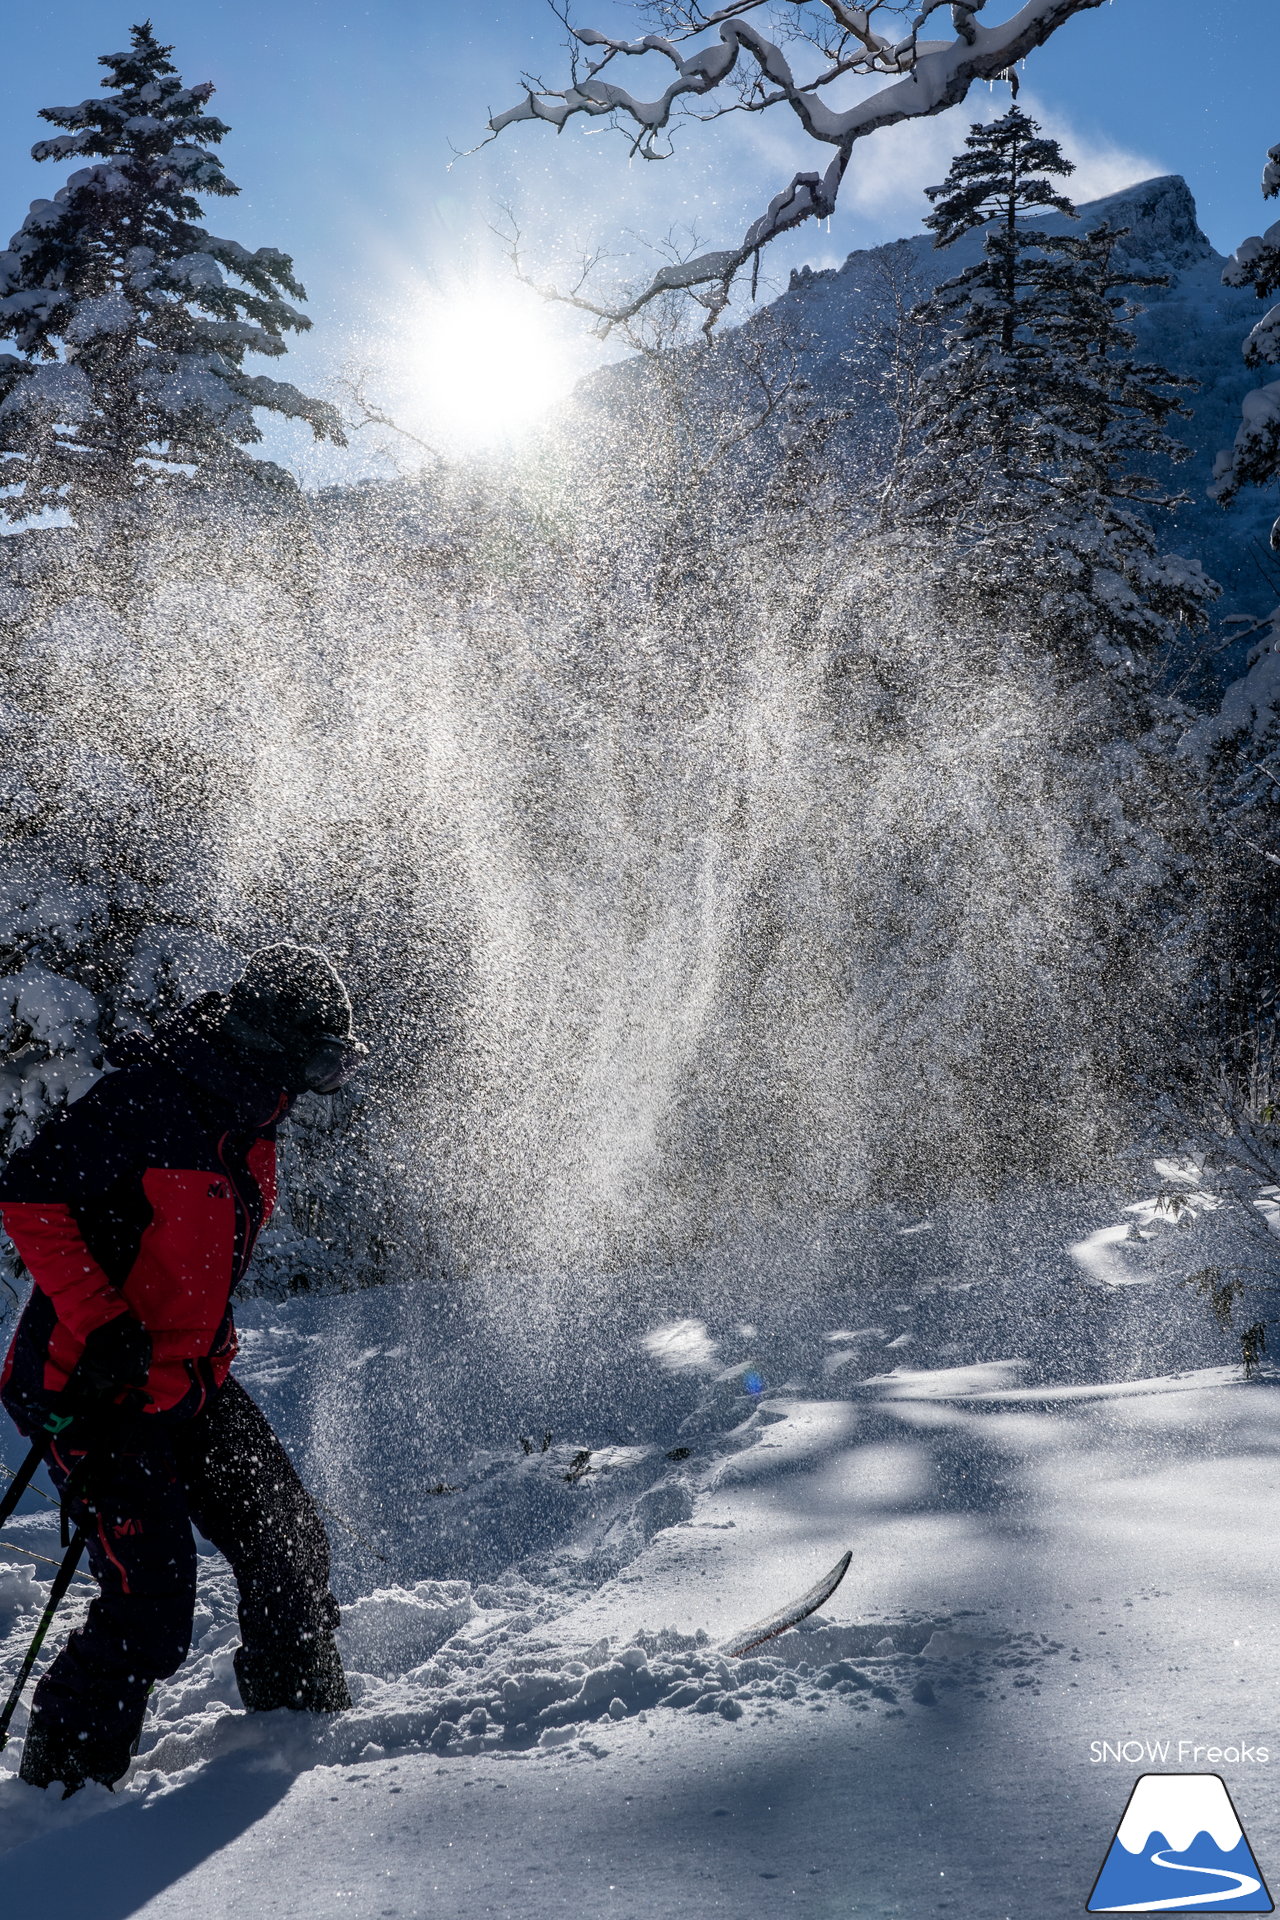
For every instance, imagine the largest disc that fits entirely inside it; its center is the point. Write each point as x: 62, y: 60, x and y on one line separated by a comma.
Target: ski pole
x: 62, y: 1580
x: 11, y: 1546
x: 20, y: 1481
x: 39, y: 1492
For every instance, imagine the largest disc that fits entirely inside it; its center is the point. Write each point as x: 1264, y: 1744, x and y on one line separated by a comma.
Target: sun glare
x: 490, y: 362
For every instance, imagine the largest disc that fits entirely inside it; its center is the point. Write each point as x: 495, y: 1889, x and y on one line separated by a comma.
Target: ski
x: 791, y: 1615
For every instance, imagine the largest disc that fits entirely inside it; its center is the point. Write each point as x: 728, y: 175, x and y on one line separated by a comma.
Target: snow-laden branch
x: 742, y: 69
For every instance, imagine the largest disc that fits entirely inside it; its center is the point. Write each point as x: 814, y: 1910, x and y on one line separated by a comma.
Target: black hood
x: 194, y: 1046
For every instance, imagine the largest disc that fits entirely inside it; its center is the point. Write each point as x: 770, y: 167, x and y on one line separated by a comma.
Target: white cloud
x: 890, y: 171
x: 1102, y: 166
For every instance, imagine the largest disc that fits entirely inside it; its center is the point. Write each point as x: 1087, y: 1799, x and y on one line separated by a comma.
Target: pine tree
x: 999, y: 176
x: 991, y: 319
x: 1254, y: 460
x: 1038, y: 427
x: 131, y: 320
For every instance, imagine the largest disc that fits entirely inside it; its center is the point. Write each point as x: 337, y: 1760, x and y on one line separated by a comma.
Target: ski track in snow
x: 1039, y: 1562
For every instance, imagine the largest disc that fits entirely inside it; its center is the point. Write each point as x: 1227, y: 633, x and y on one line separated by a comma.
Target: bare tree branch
x: 363, y: 412
x: 926, y: 76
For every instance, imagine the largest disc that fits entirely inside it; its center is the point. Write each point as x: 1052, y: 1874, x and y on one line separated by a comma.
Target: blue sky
x: 344, y: 118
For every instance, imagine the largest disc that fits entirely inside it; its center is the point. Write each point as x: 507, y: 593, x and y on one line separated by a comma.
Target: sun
x: 489, y: 361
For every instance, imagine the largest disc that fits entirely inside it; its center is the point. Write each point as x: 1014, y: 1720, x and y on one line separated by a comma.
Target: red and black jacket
x: 145, y: 1197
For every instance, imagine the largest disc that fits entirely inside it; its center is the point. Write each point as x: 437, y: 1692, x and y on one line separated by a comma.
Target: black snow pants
x: 226, y: 1473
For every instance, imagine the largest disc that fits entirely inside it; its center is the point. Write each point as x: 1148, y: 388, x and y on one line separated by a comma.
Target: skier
x: 135, y: 1212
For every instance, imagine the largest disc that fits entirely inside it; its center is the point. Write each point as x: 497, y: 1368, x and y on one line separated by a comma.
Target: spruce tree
x: 1254, y: 460
x: 972, y: 417
x: 1040, y: 433
x: 997, y: 178
x: 131, y: 320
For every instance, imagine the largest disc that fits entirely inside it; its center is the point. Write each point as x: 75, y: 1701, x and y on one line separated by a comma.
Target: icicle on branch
x: 742, y: 70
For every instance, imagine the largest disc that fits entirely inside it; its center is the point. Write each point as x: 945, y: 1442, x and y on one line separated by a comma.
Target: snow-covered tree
x: 740, y: 67
x: 1254, y: 460
x: 1000, y: 175
x: 1041, y: 435
x: 131, y: 324
x: 131, y: 320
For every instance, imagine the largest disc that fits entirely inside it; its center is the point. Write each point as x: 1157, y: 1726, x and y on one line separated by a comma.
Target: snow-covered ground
x: 1058, y: 1491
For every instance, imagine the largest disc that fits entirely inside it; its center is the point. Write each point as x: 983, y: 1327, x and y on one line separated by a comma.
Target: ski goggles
x: 331, y: 1062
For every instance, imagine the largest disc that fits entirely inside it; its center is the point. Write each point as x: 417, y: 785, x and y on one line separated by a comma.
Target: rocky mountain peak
x: 1161, y: 217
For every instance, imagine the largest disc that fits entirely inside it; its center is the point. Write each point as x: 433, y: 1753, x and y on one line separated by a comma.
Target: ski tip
x: 789, y: 1616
